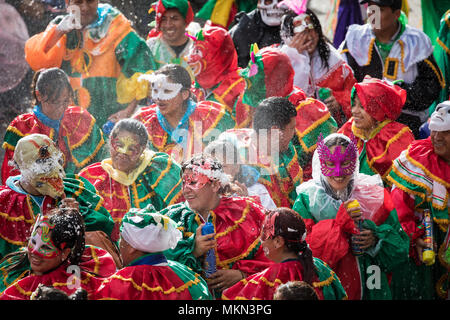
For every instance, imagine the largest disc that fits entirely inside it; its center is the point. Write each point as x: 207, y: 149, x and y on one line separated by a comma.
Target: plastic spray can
x: 357, y: 251
x: 428, y: 255
x: 210, y: 261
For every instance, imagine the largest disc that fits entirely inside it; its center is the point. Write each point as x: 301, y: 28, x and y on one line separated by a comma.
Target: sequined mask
x: 343, y: 164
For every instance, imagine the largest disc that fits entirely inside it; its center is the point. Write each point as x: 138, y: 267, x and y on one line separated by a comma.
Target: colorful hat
x: 440, y: 118
x: 379, y: 98
x: 213, y: 56
x: 148, y: 231
x: 269, y: 74
x: 181, y: 5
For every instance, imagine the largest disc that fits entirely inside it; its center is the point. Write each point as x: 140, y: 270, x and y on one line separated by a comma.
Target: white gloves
x: 69, y: 23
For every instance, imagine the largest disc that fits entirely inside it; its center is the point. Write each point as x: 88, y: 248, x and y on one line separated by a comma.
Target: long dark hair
x: 290, y: 226
x: 50, y: 83
x: 287, y: 30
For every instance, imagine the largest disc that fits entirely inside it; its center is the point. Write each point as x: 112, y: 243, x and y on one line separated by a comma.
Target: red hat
x: 380, y: 99
x: 215, y: 56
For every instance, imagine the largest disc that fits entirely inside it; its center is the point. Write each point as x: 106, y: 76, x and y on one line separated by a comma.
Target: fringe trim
x: 144, y: 286
x: 428, y: 173
x: 438, y: 73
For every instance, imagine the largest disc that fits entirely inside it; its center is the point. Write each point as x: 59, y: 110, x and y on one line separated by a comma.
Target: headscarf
x: 269, y: 74
x: 213, y: 56
x: 148, y: 231
x: 379, y: 98
x: 368, y: 190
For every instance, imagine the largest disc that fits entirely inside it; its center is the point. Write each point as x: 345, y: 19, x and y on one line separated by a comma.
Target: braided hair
x: 322, y: 45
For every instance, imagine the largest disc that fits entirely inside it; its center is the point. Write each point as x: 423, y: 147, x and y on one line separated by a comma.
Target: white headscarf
x: 368, y: 190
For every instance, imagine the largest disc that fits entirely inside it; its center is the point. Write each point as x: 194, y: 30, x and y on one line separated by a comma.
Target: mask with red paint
x: 194, y: 180
x: 40, y: 243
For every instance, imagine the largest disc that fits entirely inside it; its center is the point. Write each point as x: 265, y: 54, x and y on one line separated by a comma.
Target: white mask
x: 440, y: 119
x: 162, y: 88
x: 270, y: 13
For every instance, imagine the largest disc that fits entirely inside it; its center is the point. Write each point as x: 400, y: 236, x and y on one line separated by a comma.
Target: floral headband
x: 208, y: 170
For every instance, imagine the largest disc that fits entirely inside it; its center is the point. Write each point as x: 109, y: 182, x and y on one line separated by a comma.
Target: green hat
x: 148, y: 231
x: 181, y: 5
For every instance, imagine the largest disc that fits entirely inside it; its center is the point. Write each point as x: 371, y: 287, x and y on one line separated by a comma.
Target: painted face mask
x: 196, y: 59
x: 126, y: 145
x: 343, y: 164
x: 270, y: 12
x: 194, y: 180
x: 302, y: 23
x: 440, y: 119
x: 41, y: 163
x: 200, y: 174
x: 49, y: 184
x: 163, y: 89
x: 40, y: 243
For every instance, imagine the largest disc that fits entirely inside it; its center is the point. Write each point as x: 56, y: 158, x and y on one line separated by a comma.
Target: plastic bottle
x: 324, y: 94
x: 107, y: 127
x: 357, y: 251
x: 428, y: 255
x: 210, y: 261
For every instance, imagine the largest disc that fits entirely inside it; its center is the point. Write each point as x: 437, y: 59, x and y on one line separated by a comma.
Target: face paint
x: 337, y: 164
x: 194, y: 180
x: 271, y: 14
x: 126, y: 145
x: 211, y: 170
x: 163, y: 89
x: 40, y: 243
